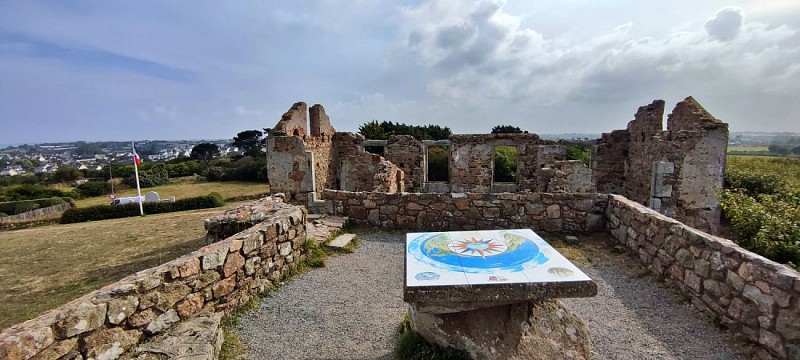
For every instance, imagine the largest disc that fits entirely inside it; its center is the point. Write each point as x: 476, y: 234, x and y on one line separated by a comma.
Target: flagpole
x: 136, y: 171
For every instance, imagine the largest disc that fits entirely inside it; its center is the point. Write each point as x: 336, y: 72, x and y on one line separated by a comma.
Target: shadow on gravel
x: 634, y: 316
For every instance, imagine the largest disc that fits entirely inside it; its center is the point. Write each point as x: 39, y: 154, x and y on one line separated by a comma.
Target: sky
x: 112, y: 70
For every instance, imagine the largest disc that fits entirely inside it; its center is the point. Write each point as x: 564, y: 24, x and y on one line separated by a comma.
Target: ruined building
x: 675, y: 172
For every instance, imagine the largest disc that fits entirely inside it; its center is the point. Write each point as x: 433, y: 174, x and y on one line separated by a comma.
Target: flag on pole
x: 136, y: 161
x: 136, y: 157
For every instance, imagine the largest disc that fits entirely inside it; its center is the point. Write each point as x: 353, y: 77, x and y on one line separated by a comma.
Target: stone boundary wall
x: 568, y: 213
x: 755, y: 297
x: 28, y: 215
x: 113, y: 320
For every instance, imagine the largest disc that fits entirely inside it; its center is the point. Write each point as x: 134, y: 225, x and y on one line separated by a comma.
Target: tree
x: 373, y: 131
x: 205, y: 152
x: 67, y: 174
x: 506, y: 129
x: 779, y: 150
x: 250, y: 142
x: 381, y: 131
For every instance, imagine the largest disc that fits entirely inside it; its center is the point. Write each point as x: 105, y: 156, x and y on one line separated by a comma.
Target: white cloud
x: 478, y: 53
x: 725, y: 24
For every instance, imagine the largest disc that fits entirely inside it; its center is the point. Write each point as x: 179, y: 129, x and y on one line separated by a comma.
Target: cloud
x: 476, y: 52
x: 725, y: 24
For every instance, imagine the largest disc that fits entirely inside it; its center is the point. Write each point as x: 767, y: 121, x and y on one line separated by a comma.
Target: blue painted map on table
x: 484, y: 257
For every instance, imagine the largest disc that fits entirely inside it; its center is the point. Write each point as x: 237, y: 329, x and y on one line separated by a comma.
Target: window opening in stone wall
x: 438, y: 163
x: 505, y: 164
x: 379, y: 150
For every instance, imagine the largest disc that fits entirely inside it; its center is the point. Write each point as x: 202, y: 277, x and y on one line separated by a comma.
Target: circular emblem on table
x: 426, y: 276
x: 476, y: 252
x: 477, y: 247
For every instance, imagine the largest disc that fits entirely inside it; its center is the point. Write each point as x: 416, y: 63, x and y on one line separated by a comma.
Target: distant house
x: 100, y: 157
x: 12, y: 170
x: 46, y: 168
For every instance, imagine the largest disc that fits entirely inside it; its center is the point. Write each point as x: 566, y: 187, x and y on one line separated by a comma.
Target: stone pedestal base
x: 527, y: 330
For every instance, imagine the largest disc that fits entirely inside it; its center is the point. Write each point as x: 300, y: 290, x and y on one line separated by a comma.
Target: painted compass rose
x: 477, y: 247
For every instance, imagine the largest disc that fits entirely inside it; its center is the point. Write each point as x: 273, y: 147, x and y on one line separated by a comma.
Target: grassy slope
x: 183, y: 190
x: 44, y: 267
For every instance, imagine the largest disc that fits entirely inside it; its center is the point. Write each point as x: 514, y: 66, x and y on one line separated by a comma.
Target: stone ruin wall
x: 675, y: 172
x: 756, y: 298
x: 566, y: 213
x: 141, y: 308
x: 472, y: 161
x: 358, y: 170
x: 302, y: 163
x: 408, y: 154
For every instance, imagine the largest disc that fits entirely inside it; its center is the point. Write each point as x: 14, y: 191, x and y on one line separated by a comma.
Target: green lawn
x: 45, y: 267
x: 184, y: 189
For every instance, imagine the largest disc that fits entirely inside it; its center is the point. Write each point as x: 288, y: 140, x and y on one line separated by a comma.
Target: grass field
x: 184, y: 189
x: 44, y: 267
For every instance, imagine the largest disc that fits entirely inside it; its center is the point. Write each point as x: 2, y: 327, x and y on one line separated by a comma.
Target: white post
x: 136, y: 171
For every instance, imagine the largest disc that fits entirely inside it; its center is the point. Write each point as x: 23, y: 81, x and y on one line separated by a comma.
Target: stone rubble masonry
x: 112, y: 321
x: 568, y: 213
x: 755, y: 297
x: 363, y: 171
x: 293, y: 122
x: 676, y: 171
x: 407, y: 153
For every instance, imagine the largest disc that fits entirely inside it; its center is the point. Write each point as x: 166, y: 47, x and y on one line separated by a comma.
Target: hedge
x: 18, y: 207
x: 104, y: 212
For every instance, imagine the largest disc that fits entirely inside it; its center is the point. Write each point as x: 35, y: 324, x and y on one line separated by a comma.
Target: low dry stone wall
x: 30, y: 215
x: 569, y: 213
x: 112, y: 321
x: 753, y: 296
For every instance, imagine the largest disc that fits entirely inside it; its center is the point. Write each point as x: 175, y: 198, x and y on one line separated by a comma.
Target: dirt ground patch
x: 44, y: 267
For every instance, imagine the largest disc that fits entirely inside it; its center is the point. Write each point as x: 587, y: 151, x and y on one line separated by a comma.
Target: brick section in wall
x: 751, y: 295
x: 569, y: 213
x: 215, y: 278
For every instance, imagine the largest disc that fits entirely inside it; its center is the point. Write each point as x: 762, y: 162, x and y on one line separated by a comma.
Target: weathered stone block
x: 57, y: 350
x: 214, y: 258
x: 205, y: 278
x: 141, y: 319
x: 252, y: 242
x: 171, y: 294
x: 190, y: 305
x: 234, y: 262
x: 763, y: 301
x: 120, y: 308
x: 108, y: 343
x: 162, y: 322
x: 25, y: 344
x: 547, y: 329
x: 85, y: 317
x: 223, y: 287
x: 787, y: 324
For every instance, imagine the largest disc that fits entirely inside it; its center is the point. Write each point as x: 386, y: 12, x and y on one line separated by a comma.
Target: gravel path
x: 351, y: 309
x: 635, y: 317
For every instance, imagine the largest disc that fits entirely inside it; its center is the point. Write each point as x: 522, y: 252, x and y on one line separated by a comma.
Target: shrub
x: 767, y: 224
x: 18, y: 207
x: 104, y: 212
x: 248, y: 171
x: 28, y: 192
x: 92, y: 188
